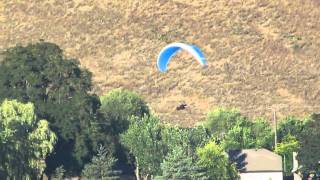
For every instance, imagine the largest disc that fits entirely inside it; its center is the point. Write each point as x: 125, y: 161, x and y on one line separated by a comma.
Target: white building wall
x: 262, y: 176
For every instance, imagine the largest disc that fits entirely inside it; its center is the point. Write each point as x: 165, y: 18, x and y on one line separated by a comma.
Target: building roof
x: 260, y: 160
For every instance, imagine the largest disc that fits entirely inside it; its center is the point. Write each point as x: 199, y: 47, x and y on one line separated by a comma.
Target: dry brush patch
x: 261, y: 53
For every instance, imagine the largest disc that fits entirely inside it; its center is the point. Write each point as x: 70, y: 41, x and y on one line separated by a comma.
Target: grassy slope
x: 261, y: 53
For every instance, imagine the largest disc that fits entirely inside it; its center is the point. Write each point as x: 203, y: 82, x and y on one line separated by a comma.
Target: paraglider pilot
x: 181, y: 106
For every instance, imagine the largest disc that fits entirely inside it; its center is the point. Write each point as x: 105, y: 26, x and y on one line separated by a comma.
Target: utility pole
x: 275, y: 125
x: 275, y: 128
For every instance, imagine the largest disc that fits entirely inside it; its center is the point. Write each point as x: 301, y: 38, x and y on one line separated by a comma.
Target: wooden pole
x: 275, y: 128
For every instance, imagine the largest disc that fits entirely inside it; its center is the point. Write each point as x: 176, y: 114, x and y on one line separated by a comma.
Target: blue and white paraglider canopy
x: 170, y: 50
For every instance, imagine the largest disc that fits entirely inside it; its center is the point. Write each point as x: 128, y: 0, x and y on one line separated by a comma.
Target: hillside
x: 261, y: 54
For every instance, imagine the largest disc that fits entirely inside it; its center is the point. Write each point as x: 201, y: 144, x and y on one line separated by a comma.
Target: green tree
x: 248, y: 134
x: 290, y: 126
x: 214, y: 160
x: 25, y: 141
x: 58, y: 173
x: 220, y: 120
x: 263, y: 134
x: 59, y: 88
x: 309, y: 140
x: 101, y: 167
x: 187, y: 138
x: 143, y: 139
x: 288, y: 131
x: 178, y: 165
x: 119, y: 105
x: 288, y: 145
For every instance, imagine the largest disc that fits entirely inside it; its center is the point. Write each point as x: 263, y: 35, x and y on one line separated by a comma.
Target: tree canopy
x: 119, y: 105
x: 246, y: 134
x: 143, y: 139
x: 220, y: 120
x: 179, y: 165
x: 289, y: 130
x: 285, y: 148
x: 308, y: 152
x: 101, y: 166
x: 214, y: 160
x: 187, y: 138
x: 25, y: 141
x: 290, y: 126
x: 59, y: 89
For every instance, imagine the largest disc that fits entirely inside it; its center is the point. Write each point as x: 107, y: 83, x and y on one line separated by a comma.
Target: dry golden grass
x: 261, y: 53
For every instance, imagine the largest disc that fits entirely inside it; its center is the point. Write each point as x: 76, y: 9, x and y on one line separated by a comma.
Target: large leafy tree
x: 187, y: 138
x: 248, y: 134
x: 290, y: 126
x: 119, y: 105
x: 143, y: 139
x: 214, y: 160
x: 180, y: 146
x: 25, y: 141
x: 59, y: 88
x: 220, y: 120
x: 309, y: 140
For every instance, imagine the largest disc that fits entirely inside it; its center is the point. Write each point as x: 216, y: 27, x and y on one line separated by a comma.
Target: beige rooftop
x: 262, y: 160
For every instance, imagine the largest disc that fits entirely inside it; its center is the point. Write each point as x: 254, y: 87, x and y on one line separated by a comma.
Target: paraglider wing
x: 170, y: 50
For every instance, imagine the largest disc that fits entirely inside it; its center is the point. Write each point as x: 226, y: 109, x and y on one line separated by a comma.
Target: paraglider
x: 170, y: 50
x: 181, y: 106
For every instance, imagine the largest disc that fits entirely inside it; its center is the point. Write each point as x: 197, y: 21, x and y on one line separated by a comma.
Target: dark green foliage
x: 117, y: 107
x: 308, y: 153
x: 238, y: 158
x: 263, y: 134
x: 143, y: 139
x: 174, y: 136
x: 239, y: 136
x: 180, y: 146
x: 178, y: 165
x: 290, y: 126
x: 235, y: 131
x: 59, y: 89
x: 220, y: 120
x: 58, y: 173
x: 289, y: 130
x: 198, y: 136
x: 101, y: 167
x: 187, y: 138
